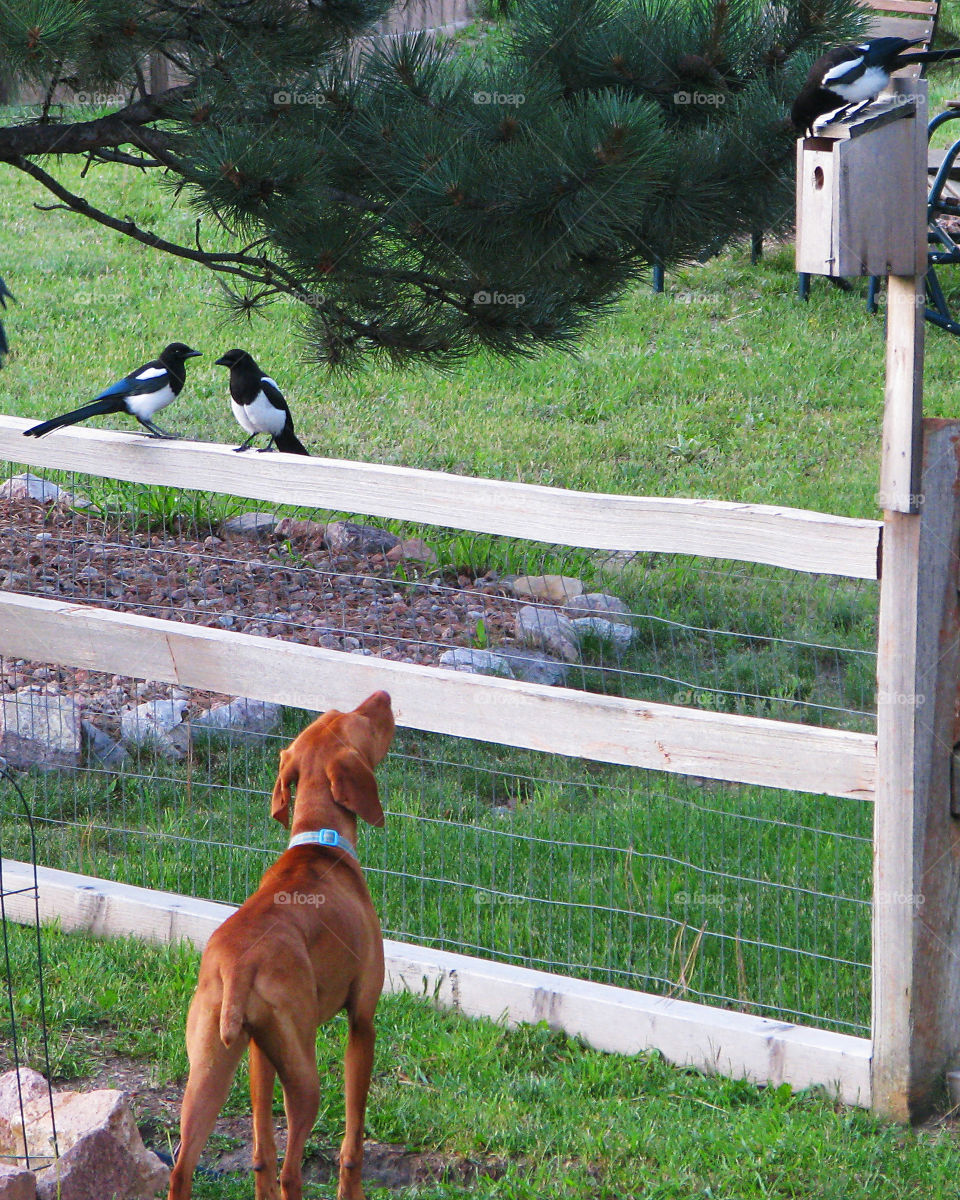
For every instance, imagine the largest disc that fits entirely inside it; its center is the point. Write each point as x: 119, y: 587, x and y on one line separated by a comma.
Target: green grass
x: 563, y: 1120
x: 727, y: 386
x: 755, y: 898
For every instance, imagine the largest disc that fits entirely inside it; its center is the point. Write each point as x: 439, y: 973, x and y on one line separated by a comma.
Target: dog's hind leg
x: 262, y: 1076
x: 357, y: 1066
x: 212, y: 1068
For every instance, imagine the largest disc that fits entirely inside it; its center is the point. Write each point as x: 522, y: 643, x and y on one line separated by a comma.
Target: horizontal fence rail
x: 782, y: 537
x: 558, y: 720
x: 608, y: 1018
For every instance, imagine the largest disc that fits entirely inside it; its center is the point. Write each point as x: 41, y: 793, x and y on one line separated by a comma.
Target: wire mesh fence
x: 753, y: 898
x: 731, y: 637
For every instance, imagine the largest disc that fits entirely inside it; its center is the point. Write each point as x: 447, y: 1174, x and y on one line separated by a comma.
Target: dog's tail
x: 236, y: 989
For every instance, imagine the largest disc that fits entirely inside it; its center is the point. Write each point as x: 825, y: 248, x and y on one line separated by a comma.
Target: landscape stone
x: 476, y: 662
x: 549, y: 589
x: 613, y: 632
x: 101, y: 748
x: 32, y: 1087
x: 101, y: 1152
x: 547, y: 629
x: 364, y: 539
x: 17, y: 1183
x: 414, y: 549
x: 157, y: 724
x: 32, y: 487
x: 39, y: 729
x: 289, y: 527
x: 251, y: 524
x: 598, y: 604
x: 240, y: 718
x: 533, y: 666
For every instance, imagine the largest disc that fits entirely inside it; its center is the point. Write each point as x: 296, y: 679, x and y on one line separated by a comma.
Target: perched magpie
x: 258, y: 404
x: 142, y: 393
x: 856, y: 74
x: 5, y: 295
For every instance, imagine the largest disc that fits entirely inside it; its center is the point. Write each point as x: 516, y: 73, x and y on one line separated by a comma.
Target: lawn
x: 523, y: 1113
x: 725, y: 387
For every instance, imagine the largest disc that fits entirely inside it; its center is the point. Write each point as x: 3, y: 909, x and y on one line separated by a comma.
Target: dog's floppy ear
x: 354, y: 786
x: 288, y: 773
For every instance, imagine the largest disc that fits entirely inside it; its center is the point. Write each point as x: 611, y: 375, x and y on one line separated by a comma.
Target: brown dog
x: 304, y: 946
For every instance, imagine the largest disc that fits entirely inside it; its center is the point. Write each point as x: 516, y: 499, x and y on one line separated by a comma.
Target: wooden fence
x: 918, y: 598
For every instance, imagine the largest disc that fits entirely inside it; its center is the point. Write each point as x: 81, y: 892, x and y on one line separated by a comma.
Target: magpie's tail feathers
x: 96, y: 409
x: 926, y: 56
x: 287, y: 441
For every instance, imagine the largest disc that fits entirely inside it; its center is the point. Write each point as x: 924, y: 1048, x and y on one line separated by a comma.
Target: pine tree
x: 420, y: 204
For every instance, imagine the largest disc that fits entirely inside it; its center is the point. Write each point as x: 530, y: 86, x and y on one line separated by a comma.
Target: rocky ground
x: 338, y: 585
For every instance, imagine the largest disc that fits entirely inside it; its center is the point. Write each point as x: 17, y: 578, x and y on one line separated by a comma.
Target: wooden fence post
x: 916, y: 922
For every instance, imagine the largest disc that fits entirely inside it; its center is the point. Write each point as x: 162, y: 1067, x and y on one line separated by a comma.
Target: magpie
x: 258, y: 404
x: 5, y: 295
x: 142, y: 393
x: 856, y: 74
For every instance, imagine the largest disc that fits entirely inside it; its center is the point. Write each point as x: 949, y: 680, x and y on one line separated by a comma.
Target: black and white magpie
x: 142, y: 393
x: 856, y: 74
x: 5, y: 295
x: 258, y: 404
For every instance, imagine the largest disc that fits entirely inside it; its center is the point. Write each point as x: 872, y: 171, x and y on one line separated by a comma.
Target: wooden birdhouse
x: 861, y: 190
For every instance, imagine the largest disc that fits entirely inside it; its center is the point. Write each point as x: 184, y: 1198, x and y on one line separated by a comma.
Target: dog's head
x: 339, y: 750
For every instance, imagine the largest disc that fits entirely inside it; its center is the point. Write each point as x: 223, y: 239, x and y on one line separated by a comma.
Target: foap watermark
x: 513, y: 298
x: 715, y: 900
x: 509, y: 98
x: 291, y: 99
x: 906, y: 699
x: 708, y: 99
x: 898, y: 899
x: 491, y: 899
x: 892, y: 499
x: 99, y: 99
x: 299, y: 899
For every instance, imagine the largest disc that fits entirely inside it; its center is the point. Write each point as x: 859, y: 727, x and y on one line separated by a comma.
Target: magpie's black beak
x: 193, y: 354
x: 222, y: 361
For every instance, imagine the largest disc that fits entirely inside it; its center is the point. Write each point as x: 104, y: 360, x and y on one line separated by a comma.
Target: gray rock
x: 242, y: 718
x: 613, y: 633
x: 363, y: 539
x: 102, y: 749
x: 39, y: 729
x: 476, y: 662
x: 547, y: 629
x: 251, y: 524
x: 32, y: 487
x: 533, y: 666
x: 158, y: 724
x: 598, y: 604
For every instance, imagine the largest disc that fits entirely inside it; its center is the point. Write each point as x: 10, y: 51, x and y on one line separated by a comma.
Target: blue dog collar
x: 321, y: 837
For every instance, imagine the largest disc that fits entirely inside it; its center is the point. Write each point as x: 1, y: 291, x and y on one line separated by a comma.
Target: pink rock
x: 32, y: 1090
x: 101, y: 1151
x: 414, y: 549
x: 16, y: 1183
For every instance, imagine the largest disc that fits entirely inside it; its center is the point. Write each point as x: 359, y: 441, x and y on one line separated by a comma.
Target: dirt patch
x: 292, y: 587
x: 157, y: 1109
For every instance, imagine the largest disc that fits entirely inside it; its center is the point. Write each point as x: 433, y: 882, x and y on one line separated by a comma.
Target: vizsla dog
x: 304, y: 946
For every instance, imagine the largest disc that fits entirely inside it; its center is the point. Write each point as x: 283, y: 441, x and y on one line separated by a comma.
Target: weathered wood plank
x: 781, y: 537
x: 558, y: 720
x: 607, y: 1018
x: 916, y: 929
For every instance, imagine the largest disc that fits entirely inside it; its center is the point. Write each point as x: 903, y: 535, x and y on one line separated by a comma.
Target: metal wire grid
x: 754, y: 899
x: 727, y: 636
